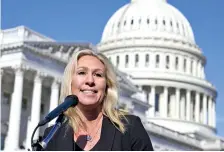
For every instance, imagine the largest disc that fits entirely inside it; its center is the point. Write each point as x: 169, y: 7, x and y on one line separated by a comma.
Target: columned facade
x: 182, y: 104
x: 12, y: 139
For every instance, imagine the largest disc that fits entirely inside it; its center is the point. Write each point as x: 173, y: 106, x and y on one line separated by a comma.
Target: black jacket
x: 135, y: 138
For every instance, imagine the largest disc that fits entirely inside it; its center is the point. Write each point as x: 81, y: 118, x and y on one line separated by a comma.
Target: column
x: 54, y: 97
x: 12, y: 140
x: 204, y: 109
x: 152, y: 102
x: 141, y: 60
x: 177, y: 103
x: 172, y: 105
x: 35, y: 108
x: 182, y: 107
x: 194, y: 68
x: 165, y: 102
x: 197, y: 107
x: 210, y: 111
x: 214, y: 113
x: 188, y: 108
x: 172, y: 62
x: 199, y: 69
x: 203, y: 72
x: 152, y: 61
x: 1, y: 75
x: 181, y: 63
x: 188, y: 66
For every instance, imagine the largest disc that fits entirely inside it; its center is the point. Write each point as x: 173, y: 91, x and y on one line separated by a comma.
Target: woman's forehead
x: 90, y: 62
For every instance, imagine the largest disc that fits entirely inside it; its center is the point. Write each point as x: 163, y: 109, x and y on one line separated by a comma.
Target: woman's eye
x: 81, y: 73
x: 98, y: 74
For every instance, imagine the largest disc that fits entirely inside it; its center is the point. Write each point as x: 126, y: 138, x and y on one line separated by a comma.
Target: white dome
x: 148, y: 19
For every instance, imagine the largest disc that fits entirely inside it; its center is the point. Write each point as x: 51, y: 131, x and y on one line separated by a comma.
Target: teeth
x: 88, y: 91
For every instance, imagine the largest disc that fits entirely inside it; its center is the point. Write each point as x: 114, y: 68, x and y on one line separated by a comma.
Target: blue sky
x: 84, y: 21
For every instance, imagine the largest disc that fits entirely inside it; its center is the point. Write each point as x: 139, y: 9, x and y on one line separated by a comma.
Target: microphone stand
x: 41, y: 145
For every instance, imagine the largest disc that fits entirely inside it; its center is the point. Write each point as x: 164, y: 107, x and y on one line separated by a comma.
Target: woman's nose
x: 90, y: 80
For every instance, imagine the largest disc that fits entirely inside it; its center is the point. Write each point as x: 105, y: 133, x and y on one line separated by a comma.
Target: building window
x: 157, y: 103
x: 136, y: 60
x: 147, y: 60
x: 169, y: 106
x: 178, y: 29
x: 132, y: 22
x: 6, y: 98
x: 126, y: 61
x: 171, y: 24
x: 191, y: 70
x: 167, y: 62
x: 117, y: 61
x: 176, y: 63
x: 185, y: 62
x: 148, y: 21
x: 42, y: 108
x: 164, y: 22
x: 157, y: 61
x: 24, y: 103
x: 2, y: 141
x: 124, y: 22
x: 118, y: 25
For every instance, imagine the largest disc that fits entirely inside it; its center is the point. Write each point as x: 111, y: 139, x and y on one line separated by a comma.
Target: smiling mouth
x: 89, y: 91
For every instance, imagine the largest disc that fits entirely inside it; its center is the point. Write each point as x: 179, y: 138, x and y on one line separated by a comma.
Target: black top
x: 135, y: 137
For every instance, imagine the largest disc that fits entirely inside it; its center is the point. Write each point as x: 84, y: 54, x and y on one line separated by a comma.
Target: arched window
x: 147, y: 60
x: 148, y: 21
x: 136, y: 60
x: 117, y: 61
x: 176, y: 63
x: 167, y: 62
x: 157, y: 61
x: 126, y: 61
x: 132, y: 22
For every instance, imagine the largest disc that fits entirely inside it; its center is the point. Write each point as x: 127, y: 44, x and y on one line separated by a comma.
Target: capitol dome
x: 148, y: 19
x: 153, y: 43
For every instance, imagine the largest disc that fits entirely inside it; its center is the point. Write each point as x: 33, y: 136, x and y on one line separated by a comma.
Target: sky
x: 84, y: 21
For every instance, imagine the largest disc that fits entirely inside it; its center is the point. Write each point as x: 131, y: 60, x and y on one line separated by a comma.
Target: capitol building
x: 160, y: 69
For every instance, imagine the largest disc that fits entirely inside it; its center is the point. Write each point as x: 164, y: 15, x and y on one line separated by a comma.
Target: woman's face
x: 89, y: 81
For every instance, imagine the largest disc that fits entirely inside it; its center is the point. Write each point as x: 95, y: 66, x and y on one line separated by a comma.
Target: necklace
x: 90, y: 138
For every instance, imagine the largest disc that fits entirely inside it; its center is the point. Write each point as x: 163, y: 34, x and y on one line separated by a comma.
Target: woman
x: 95, y: 123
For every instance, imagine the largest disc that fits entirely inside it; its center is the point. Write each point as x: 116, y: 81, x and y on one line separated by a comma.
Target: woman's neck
x: 90, y: 116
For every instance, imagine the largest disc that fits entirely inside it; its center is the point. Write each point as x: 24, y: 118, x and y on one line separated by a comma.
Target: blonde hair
x: 111, y: 95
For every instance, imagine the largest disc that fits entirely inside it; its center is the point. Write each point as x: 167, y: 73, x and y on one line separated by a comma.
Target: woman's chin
x: 88, y: 104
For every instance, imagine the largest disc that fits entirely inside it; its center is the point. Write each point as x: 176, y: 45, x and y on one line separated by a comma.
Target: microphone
x: 70, y: 101
x: 60, y: 120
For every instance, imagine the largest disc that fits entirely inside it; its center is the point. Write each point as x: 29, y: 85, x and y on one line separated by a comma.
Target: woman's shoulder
x: 130, y: 118
x: 131, y: 121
